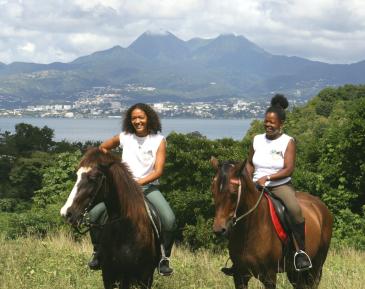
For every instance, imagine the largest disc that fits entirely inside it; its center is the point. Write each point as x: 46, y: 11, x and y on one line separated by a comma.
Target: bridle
x: 84, y: 225
x: 236, y: 219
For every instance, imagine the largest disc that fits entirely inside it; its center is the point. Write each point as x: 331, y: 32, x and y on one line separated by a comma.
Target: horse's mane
x: 130, y: 194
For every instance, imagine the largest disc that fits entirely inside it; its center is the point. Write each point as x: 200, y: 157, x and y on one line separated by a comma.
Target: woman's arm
x: 110, y: 144
x: 159, y: 165
x: 249, y: 165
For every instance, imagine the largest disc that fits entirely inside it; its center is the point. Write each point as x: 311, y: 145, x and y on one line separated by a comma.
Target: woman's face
x: 139, y: 122
x: 272, y: 125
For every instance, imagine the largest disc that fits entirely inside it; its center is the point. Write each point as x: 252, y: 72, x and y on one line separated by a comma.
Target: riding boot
x: 94, y: 263
x: 229, y: 271
x: 302, y: 261
x: 164, y: 265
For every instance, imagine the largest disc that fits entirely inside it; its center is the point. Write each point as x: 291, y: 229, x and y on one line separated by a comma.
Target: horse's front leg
x: 241, y: 281
x: 146, y: 283
x: 108, y: 280
x: 269, y: 280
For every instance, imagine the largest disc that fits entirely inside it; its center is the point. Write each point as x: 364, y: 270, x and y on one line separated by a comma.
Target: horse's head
x: 86, y: 192
x: 225, y: 187
x: 91, y: 179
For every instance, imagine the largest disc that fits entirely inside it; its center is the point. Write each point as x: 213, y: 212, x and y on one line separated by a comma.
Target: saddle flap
x: 154, y: 217
x: 278, y: 217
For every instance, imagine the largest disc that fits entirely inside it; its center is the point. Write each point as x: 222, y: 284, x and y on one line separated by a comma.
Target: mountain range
x: 195, y: 70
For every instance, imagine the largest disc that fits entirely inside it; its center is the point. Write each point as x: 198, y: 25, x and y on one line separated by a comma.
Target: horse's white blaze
x: 72, y: 195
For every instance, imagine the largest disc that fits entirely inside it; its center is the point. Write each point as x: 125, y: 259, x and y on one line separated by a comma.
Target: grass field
x: 57, y: 262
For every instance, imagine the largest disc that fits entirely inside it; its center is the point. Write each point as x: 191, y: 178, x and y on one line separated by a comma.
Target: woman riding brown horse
x: 254, y: 246
x: 129, y: 248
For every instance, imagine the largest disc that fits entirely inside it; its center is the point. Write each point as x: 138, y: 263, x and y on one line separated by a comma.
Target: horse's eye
x: 92, y: 178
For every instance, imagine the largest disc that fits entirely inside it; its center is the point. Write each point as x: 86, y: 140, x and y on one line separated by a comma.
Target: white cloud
x: 27, y: 48
x: 328, y: 30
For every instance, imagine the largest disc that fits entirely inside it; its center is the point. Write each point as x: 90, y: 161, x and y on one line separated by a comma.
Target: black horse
x: 129, y: 249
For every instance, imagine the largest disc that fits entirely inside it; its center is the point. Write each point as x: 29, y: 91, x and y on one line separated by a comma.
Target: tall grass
x: 58, y: 262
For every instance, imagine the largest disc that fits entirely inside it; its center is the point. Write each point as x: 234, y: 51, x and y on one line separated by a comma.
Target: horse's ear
x: 214, y: 162
x: 241, y: 166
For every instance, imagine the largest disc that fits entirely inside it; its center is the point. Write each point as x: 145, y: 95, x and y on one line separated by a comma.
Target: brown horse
x: 129, y: 252
x: 254, y: 246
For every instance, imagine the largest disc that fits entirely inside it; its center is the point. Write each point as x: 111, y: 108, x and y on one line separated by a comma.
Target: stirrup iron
x: 298, y: 253
x: 159, y: 266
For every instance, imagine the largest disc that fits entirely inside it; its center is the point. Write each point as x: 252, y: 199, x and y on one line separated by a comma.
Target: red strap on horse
x: 276, y: 222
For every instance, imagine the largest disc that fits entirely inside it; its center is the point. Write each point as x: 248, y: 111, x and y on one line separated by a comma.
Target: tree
x: 28, y: 138
x: 26, y: 175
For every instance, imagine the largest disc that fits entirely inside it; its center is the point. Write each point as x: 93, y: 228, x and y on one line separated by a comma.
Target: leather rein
x: 236, y: 219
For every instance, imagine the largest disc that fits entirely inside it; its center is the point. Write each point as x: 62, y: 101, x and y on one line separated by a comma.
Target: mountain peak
x: 158, y: 32
x: 162, y: 45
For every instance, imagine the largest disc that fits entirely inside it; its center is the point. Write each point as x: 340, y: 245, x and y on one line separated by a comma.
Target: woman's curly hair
x: 153, y: 121
x: 278, y: 105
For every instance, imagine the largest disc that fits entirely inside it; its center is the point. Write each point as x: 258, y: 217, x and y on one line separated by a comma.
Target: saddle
x: 279, y: 217
x: 154, y: 218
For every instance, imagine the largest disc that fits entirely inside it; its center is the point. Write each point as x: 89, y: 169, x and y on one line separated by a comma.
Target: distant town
x: 108, y: 102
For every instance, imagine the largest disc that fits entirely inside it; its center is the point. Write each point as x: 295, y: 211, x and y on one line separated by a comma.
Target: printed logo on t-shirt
x: 276, y: 155
x: 147, y: 155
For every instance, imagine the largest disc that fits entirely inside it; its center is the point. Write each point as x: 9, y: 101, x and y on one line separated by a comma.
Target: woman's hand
x: 262, y: 181
x: 103, y: 150
x: 109, y: 144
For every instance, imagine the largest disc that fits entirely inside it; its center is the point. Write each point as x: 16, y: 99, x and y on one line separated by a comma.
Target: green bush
x: 33, y: 222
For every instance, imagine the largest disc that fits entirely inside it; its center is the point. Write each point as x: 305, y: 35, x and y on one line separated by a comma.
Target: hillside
x: 198, y: 69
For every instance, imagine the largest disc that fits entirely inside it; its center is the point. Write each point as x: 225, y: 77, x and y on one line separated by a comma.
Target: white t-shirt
x: 268, y: 157
x: 139, y: 153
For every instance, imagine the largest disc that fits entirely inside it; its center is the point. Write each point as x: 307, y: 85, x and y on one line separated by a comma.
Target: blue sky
x: 45, y: 31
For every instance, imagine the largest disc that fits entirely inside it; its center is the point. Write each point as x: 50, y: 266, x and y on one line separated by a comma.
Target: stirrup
x: 301, y: 253
x: 164, y: 258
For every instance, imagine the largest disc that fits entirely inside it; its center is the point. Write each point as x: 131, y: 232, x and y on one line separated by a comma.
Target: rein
x: 236, y: 219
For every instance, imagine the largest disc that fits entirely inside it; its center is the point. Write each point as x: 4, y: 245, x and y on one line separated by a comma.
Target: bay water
x: 99, y: 129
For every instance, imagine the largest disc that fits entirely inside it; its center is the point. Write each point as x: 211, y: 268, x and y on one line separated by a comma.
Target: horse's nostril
x: 223, y: 232
x: 68, y: 216
x: 220, y: 232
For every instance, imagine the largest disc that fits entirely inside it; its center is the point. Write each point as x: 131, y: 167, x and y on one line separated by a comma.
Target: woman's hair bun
x: 279, y: 100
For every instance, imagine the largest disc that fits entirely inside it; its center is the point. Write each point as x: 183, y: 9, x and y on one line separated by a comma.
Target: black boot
x: 94, y: 263
x: 302, y: 261
x: 229, y: 271
x: 164, y: 266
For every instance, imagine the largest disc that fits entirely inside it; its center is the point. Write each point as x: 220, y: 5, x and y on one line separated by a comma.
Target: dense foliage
x: 37, y: 174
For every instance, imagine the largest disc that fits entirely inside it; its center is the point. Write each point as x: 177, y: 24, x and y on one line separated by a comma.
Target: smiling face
x: 272, y: 125
x: 139, y: 121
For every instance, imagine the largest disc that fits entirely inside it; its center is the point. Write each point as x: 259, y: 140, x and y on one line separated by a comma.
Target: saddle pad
x: 275, y: 220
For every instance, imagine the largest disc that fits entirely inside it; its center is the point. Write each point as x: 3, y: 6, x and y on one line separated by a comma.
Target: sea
x: 99, y: 129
